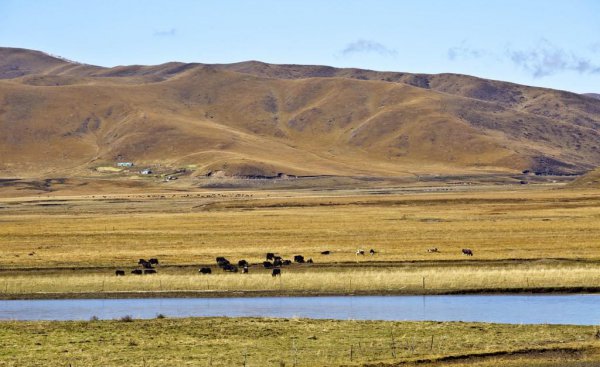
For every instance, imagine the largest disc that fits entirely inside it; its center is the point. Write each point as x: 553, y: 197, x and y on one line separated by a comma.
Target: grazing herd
x: 362, y: 252
x: 147, y: 267
x: 272, y: 262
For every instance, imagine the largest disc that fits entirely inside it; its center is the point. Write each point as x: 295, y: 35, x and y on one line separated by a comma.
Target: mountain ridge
x: 253, y: 118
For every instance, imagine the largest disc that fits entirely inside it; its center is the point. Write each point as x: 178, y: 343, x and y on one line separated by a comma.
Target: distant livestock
x: 325, y: 252
x: 277, y: 262
x: 360, y: 252
x: 242, y: 263
x: 230, y: 268
x: 205, y: 271
x: 267, y: 264
x: 286, y: 262
x: 222, y: 262
x: 433, y: 249
x: 372, y: 252
x: 299, y: 259
x: 120, y: 273
x: 276, y: 272
x: 149, y: 271
x: 309, y: 261
x: 145, y: 264
x: 137, y: 272
x: 467, y: 252
x: 153, y: 261
x: 245, y: 270
x: 270, y: 255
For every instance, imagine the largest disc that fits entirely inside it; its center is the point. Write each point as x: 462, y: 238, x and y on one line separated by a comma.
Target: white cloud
x: 367, y: 46
x: 165, y: 33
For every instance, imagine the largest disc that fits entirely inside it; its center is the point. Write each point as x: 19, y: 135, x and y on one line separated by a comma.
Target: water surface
x: 515, y: 309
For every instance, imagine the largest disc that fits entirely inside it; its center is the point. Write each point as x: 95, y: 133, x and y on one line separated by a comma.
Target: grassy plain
x: 290, y: 342
x: 536, y: 238
x: 539, y: 237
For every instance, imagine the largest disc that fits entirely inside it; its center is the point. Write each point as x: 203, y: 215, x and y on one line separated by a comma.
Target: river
x: 514, y: 309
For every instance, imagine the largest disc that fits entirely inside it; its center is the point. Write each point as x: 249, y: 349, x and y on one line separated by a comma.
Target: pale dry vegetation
x: 375, y: 280
x: 535, y: 238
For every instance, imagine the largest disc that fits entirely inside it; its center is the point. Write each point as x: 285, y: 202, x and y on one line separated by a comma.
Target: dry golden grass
x: 527, y: 224
x: 375, y: 280
x: 555, y: 229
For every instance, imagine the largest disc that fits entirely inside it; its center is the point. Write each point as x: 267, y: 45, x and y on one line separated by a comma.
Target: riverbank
x: 291, y: 342
x: 307, y: 280
x: 264, y: 293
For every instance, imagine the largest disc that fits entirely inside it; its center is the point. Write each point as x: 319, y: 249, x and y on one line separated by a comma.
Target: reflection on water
x: 529, y: 309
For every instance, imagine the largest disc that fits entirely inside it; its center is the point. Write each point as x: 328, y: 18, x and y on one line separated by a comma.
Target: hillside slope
x: 62, y: 118
x: 593, y: 95
x: 589, y: 180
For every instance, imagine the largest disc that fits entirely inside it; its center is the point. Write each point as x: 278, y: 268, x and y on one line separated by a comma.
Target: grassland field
x: 536, y: 238
x: 294, y: 342
x: 540, y: 238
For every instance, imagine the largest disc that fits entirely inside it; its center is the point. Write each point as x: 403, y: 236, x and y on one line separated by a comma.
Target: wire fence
x: 334, y: 283
x: 298, y: 352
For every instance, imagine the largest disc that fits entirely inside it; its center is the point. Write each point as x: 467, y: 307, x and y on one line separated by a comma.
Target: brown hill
x: 589, y: 180
x: 593, y: 95
x: 17, y: 62
x: 63, y: 119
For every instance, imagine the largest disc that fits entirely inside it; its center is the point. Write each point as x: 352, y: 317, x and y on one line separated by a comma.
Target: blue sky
x: 547, y: 43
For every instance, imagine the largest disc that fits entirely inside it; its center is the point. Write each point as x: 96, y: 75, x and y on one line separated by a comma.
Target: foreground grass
x: 306, y: 279
x: 280, y: 342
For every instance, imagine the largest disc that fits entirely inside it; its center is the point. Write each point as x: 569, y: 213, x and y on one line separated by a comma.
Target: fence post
x: 423, y: 282
x: 295, y: 352
x: 351, y: 354
x: 431, y: 345
x: 393, y: 344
